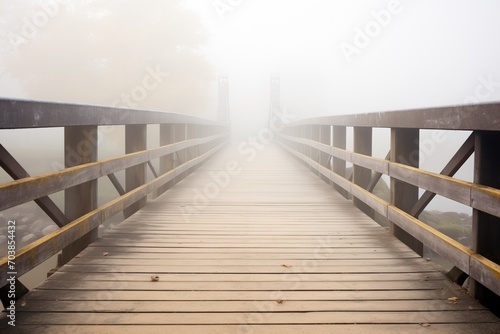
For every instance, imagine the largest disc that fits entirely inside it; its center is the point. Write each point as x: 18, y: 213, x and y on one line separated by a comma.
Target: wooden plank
x: 237, y: 286
x: 79, y: 295
x: 243, y: 306
x: 465, y: 328
x: 161, y: 253
x: 452, y: 317
x: 245, y: 269
x: 234, y: 262
x: 260, y: 277
x: 384, y: 249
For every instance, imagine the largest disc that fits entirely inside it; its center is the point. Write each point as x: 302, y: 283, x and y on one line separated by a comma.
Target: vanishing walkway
x: 274, y: 251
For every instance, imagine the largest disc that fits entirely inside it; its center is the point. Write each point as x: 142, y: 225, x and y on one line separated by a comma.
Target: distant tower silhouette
x: 223, y: 109
x: 275, y: 106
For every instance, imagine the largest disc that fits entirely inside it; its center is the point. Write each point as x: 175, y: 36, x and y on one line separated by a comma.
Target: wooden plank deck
x: 270, y: 250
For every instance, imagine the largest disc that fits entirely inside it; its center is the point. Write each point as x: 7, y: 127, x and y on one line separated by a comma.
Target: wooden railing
x: 320, y: 143
x: 185, y: 143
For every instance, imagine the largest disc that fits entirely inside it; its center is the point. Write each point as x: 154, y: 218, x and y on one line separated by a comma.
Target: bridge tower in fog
x: 223, y: 108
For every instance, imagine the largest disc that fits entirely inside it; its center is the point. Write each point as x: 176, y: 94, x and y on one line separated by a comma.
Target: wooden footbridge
x: 272, y: 235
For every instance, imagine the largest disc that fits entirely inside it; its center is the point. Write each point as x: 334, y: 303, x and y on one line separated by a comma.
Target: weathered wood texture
x: 484, y: 116
x: 405, y: 150
x: 135, y: 141
x: 42, y: 249
x: 80, y: 148
x: 25, y: 114
x: 250, y: 247
x: 477, y: 196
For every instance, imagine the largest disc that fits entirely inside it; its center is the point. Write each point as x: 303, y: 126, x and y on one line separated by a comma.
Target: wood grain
x: 275, y: 251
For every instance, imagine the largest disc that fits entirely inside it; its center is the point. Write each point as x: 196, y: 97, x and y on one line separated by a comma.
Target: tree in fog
x: 133, y: 54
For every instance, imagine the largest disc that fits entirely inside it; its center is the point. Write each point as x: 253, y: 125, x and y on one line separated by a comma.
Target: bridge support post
x: 179, y: 136
x: 306, y: 133
x: 362, y: 176
x: 191, y: 152
x: 339, y: 141
x: 135, y: 140
x: 80, y: 147
x: 405, y: 145
x: 167, y: 161
x: 315, y: 135
x: 324, y: 158
x: 485, y: 227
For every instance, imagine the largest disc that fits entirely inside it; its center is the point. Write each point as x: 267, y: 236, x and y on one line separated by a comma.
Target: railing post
x: 80, y: 147
x: 485, y: 227
x: 180, y: 136
x: 339, y: 141
x: 315, y: 153
x: 325, y: 138
x: 362, y: 176
x: 191, y: 152
x: 167, y: 161
x: 405, y: 150
x: 135, y: 140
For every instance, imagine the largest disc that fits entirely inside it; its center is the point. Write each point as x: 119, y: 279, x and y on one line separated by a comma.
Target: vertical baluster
x: 80, y: 143
x: 135, y: 140
x: 339, y: 141
x: 325, y: 138
x: 485, y: 227
x: 361, y: 175
x: 405, y: 150
x: 167, y: 161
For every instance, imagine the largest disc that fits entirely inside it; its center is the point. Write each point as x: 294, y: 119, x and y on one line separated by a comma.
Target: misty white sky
x: 426, y: 53
x: 333, y: 56
x: 432, y: 52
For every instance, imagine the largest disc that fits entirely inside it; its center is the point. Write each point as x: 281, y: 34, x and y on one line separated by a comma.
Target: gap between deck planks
x: 270, y: 250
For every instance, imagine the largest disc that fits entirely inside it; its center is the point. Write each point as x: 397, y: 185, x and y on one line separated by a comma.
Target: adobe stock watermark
x: 223, y: 7
x: 33, y: 24
x: 153, y: 78
x: 150, y: 82
x: 249, y: 150
x: 486, y: 88
x: 372, y: 29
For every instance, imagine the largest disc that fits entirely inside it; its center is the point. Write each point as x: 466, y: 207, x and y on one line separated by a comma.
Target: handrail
x: 31, y: 188
x: 485, y: 116
x: 320, y: 143
x: 25, y: 114
x: 192, y: 140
